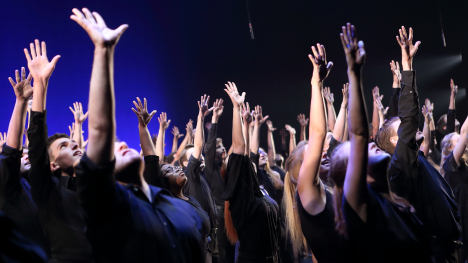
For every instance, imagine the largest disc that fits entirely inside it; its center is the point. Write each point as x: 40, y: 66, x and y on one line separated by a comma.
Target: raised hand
x: 375, y: 93
x: 429, y: 105
x: 270, y: 126
x: 189, y: 128
x: 290, y: 129
x: 345, y: 92
x: 408, y: 50
x: 246, y: 114
x: 259, y: 115
x: 72, y: 130
x: 283, y: 133
x: 454, y: 88
x: 302, y: 120
x: 78, y: 112
x: 22, y: 87
x: 96, y: 28
x: 426, y: 113
x: 231, y: 90
x: 319, y: 61
x: 378, y: 103
x: 3, y: 138
x: 175, y: 132
x: 395, y: 67
x: 218, y: 108
x: 354, y: 50
x: 39, y: 66
x: 328, y: 95
x: 203, y: 106
x: 141, y: 112
x: 163, y: 122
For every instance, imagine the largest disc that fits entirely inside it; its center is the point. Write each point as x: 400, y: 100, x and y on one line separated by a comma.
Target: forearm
x: 181, y: 148
x: 255, y: 139
x: 174, y: 144
x: 102, y: 108
x: 452, y: 101
x: 199, y: 137
x: 381, y: 119
x: 346, y: 131
x: 331, y: 116
x: 246, y: 131
x: 271, y: 149
x: 146, y: 143
x: 460, y: 147
x: 238, y: 142
x: 303, y: 133
x: 16, y: 126
x: 427, y: 138
x: 338, y: 132
x: 77, y: 134
x: 292, y: 142
x: 375, y: 121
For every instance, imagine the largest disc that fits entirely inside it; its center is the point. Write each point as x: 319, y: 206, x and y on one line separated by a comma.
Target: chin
x: 128, y: 166
x: 378, y: 163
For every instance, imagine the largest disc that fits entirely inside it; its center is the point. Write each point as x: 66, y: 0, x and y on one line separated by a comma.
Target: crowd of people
x: 67, y: 199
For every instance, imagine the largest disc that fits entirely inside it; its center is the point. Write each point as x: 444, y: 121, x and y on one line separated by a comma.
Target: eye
x: 63, y: 147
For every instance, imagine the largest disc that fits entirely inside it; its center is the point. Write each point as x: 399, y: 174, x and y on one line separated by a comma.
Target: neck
x: 177, y: 192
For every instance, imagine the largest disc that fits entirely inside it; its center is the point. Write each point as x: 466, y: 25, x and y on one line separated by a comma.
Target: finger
x: 350, y: 38
x: 168, y: 122
x: 55, y: 60
x: 345, y: 36
x: 26, y: 53
x: 314, y: 51
x: 329, y: 65
x: 343, y: 41
x: 72, y: 110
x: 410, y: 37
x: 136, y: 105
x: 320, y: 51
x: 38, y: 47
x: 416, y: 46
x: 99, y: 19
x: 121, y: 29
x: 44, y: 49
x: 12, y: 82
x: 265, y: 118
x: 136, y: 112
x: 81, y: 106
x: 88, y: 15
x: 33, y: 50
x: 404, y: 32
x: 17, y: 76
x: 144, y: 104
x: 399, y: 41
x: 139, y: 103
x: 86, y: 115
x: 152, y: 113
x: 23, y: 73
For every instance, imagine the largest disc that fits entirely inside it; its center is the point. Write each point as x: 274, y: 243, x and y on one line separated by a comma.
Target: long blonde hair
x: 446, y: 148
x: 293, y: 223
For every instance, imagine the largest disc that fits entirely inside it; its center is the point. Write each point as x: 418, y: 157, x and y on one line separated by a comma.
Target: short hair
x: 441, y: 123
x: 170, y: 157
x: 219, y: 141
x: 183, y: 155
x: 53, y: 138
x: 382, y: 137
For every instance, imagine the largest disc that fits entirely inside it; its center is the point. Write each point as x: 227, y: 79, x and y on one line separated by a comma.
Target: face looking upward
x: 25, y: 164
x: 128, y: 163
x: 175, y: 175
x: 64, y: 152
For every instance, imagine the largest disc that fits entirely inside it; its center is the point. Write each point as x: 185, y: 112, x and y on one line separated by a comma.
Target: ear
x: 394, y: 140
x: 185, y: 163
x: 445, y: 127
x: 54, y: 167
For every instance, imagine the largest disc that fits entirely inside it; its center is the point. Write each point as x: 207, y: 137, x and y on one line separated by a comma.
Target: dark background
x: 174, y: 51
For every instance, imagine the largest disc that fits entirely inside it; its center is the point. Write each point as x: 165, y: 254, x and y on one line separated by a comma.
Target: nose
x: 26, y: 157
x: 122, y: 146
x: 74, y: 145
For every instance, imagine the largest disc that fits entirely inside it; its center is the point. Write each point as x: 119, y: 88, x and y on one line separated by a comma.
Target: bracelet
x: 343, y: 107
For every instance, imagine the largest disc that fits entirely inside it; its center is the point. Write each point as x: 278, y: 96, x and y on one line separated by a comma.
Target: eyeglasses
x: 173, y: 169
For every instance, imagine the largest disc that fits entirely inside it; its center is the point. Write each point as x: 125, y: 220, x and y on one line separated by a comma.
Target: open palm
x: 22, y: 87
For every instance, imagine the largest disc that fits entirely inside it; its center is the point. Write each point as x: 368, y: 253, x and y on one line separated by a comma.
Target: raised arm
x: 396, y: 89
x: 247, y: 122
x: 259, y: 120
x: 187, y: 139
x: 144, y: 118
x: 355, y: 187
x: 271, y: 144
x: 203, y: 111
x: 340, y: 125
x: 303, y: 121
x: 381, y: 110
x: 163, y: 125
x: 424, y: 147
x: 101, y: 106
x: 210, y: 147
x: 238, y: 141
x: 23, y: 92
x: 331, y: 109
x: 309, y: 186
x: 177, y: 136
x: 292, y: 137
x: 460, y: 148
x: 77, y: 111
x: 452, y: 114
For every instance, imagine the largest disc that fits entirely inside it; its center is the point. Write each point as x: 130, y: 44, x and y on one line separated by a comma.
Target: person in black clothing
x: 272, y: 156
x: 51, y: 173
x: 411, y: 175
x: 381, y: 226
x: 314, y: 200
x: 129, y: 220
x: 193, y: 163
x: 456, y: 173
x: 215, y: 166
x: 15, y: 191
x: 254, y: 215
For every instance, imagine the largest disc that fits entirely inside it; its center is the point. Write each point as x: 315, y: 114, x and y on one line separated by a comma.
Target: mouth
x: 27, y: 163
x: 325, y: 161
x: 78, y: 153
x: 125, y: 152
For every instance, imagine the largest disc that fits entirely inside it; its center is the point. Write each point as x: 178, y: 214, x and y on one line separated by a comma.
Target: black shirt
x: 414, y: 178
x: 198, y: 188
x: 319, y: 230
x: 124, y: 226
x: 457, y: 177
x: 254, y: 215
x: 390, y: 234
x: 59, y: 213
x: 152, y: 172
x: 265, y: 180
x: 281, y: 172
x: 206, y: 228
x: 18, y: 203
x: 212, y: 169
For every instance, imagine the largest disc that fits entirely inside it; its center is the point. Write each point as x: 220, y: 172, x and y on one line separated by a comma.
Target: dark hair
x: 382, y: 138
x: 55, y: 137
x: 279, y: 159
x: 441, y: 123
x: 170, y: 157
x: 337, y: 174
x: 183, y: 156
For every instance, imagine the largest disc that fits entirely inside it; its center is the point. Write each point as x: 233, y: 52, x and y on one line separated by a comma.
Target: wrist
x: 407, y: 64
x: 344, y: 105
x: 396, y: 84
x: 214, y: 119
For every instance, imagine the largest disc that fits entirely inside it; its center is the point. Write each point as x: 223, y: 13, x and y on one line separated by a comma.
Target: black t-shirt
x: 319, y: 230
x: 457, y: 177
x: 254, y: 215
x: 212, y: 169
x: 391, y: 233
x: 206, y: 228
x: 281, y: 172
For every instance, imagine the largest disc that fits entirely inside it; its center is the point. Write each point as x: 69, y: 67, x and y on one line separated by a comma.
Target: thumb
x: 417, y: 44
x: 361, y: 48
x: 55, y: 59
x: 243, y: 95
x: 330, y: 65
x: 121, y: 29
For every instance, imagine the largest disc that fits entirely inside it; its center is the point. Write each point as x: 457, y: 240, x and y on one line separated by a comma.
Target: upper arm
x: 10, y: 162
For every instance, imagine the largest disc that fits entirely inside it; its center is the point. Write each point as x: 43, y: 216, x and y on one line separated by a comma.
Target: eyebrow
x: 60, y: 144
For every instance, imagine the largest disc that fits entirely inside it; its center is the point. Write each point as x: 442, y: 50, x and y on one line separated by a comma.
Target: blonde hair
x: 293, y: 223
x: 446, y: 148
